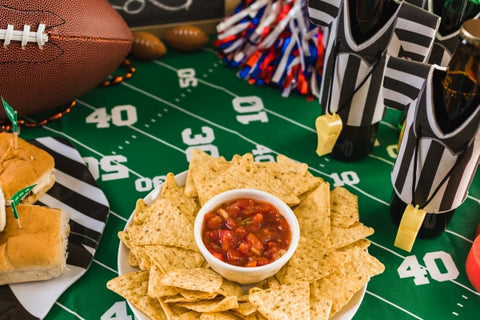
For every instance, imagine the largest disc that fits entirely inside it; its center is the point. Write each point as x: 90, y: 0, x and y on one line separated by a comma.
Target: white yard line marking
x: 394, y: 305
x: 105, y: 266
x: 69, y: 310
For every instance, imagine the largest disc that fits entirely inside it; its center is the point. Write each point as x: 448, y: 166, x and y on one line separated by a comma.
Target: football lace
x: 25, y: 36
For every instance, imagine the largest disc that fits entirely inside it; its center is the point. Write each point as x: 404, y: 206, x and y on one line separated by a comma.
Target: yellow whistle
x: 328, y: 128
x: 410, y: 224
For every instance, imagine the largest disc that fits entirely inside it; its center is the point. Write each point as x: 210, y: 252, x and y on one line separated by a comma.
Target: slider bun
x: 38, y: 250
x: 3, y: 218
x: 24, y: 166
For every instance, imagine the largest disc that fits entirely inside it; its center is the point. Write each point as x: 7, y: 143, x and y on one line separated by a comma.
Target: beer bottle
x: 366, y: 18
x: 455, y: 12
x: 455, y: 100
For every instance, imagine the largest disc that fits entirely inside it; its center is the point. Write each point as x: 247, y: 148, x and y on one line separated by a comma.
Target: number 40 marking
x: 410, y: 268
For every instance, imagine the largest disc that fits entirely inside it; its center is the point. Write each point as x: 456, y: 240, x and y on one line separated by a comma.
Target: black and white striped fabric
x: 443, y: 48
x: 437, y: 152
x: 76, y: 191
x: 403, y: 80
x: 353, y: 72
x: 444, y: 45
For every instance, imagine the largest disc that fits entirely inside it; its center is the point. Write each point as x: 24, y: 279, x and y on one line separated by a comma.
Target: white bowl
x: 246, y: 275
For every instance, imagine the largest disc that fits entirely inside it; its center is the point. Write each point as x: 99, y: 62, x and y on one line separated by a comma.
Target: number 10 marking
x: 250, y: 109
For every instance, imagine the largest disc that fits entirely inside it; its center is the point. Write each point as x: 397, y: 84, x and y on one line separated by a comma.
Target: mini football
x: 147, y: 46
x: 185, y: 38
x: 53, y: 51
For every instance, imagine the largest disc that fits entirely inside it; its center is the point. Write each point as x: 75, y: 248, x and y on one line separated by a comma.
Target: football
x: 53, y: 51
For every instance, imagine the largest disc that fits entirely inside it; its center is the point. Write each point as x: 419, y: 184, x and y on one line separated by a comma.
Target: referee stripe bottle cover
x: 343, y: 141
x: 455, y: 103
x: 367, y: 18
x: 360, y: 35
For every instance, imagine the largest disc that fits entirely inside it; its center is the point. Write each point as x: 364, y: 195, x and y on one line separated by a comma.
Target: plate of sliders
x: 50, y: 241
x: 163, y: 274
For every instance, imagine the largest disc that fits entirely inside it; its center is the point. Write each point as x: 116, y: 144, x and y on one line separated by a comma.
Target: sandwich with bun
x: 23, y: 164
x: 34, y: 238
x: 36, y: 250
x: 3, y: 218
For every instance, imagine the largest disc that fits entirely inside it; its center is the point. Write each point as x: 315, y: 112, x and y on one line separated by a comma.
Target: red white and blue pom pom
x: 273, y: 42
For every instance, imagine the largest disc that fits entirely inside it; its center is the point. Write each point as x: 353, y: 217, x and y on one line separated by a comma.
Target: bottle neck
x: 455, y: 12
x: 460, y: 86
x: 368, y: 16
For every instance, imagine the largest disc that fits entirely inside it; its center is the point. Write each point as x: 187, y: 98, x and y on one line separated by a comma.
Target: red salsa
x: 246, y: 232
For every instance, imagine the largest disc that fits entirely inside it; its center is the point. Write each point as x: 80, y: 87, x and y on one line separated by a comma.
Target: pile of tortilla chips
x: 329, y: 266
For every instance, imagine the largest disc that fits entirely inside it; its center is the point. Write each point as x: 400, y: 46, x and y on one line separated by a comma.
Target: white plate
x: 346, y: 313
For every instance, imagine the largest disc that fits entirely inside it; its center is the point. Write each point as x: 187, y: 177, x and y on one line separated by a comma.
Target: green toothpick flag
x: 11, y: 114
x: 15, y: 200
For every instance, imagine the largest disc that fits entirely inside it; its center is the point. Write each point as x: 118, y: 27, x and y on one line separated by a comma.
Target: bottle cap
x: 470, y: 31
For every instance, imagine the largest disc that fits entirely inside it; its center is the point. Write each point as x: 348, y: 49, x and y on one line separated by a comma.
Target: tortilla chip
x: 340, y: 289
x: 288, y: 301
x: 197, y: 159
x: 169, y: 227
x: 133, y: 287
x: 217, y: 316
x: 155, y: 288
x: 294, y: 175
x: 300, y: 184
x: 204, y: 169
x: 254, y: 316
x: 169, y: 186
x: 313, y: 214
x: 200, y: 279
x: 189, y: 315
x: 358, y: 260
x: 132, y: 260
x: 320, y: 308
x: 140, y: 213
x: 213, y: 305
x: 362, y: 244
x: 175, y: 194
x: 341, y: 237
x: 229, y: 288
x: 266, y: 180
x: 238, y: 172
x: 170, y: 258
x: 245, y: 309
x: 312, y: 260
x: 341, y: 285
x: 142, y: 259
x: 288, y: 165
x: 190, y: 296
x: 344, y: 207
x: 169, y: 313
x: 124, y: 238
x: 202, y: 166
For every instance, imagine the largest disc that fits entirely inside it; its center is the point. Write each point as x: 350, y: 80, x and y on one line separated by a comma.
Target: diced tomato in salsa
x: 246, y: 232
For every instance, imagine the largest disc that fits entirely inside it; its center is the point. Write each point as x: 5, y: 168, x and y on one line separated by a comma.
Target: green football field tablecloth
x: 133, y: 134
